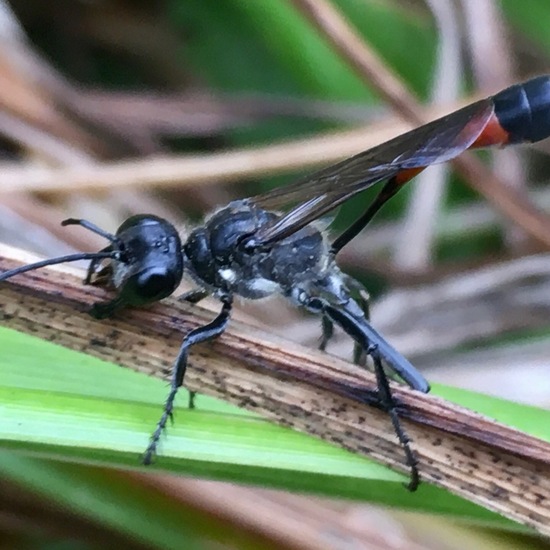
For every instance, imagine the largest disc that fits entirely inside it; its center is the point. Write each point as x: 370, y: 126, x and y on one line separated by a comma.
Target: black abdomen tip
x: 523, y: 110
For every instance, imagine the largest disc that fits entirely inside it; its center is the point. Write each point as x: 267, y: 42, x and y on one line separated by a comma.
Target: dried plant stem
x: 488, y: 463
x: 206, y: 168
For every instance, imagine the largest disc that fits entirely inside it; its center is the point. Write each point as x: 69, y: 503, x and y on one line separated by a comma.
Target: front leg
x: 102, y: 276
x: 202, y: 334
x: 194, y: 296
x: 104, y: 310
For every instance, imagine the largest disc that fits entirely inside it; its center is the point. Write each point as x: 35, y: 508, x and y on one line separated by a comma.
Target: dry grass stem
x: 488, y: 463
x: 206, y: 168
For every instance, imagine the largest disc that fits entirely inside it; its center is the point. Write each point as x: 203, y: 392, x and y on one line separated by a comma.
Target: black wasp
x: 249, y: 249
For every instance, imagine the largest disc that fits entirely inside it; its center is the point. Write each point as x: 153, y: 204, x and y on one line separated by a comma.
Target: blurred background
x: 114, y: 107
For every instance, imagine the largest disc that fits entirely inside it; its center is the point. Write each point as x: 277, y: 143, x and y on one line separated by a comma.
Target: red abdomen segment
x: 521, y: 115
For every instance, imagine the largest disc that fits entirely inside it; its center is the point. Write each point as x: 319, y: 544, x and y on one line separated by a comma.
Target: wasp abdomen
x: 523, y: 110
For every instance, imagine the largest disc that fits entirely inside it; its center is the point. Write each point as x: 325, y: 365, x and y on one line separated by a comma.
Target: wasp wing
x: 435, y: 142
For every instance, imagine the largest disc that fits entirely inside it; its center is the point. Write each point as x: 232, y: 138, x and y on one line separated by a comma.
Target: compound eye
x: 155, y: 283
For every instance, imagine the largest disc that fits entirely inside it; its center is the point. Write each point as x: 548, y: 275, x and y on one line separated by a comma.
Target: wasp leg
x: 327, y: 332
x: 113, y: 239
x: 93, y: 270
x: 360, y: 294
x: 362, y: 297
x: 391, y: 187
x: 387, y: 401
x: 359, y: 356
x: 103, y: 310
x: 193, y: 297
x: 202, y: 334
x: 360, y: 330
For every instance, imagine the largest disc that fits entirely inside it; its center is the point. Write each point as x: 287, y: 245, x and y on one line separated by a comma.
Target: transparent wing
x: 315, y: 195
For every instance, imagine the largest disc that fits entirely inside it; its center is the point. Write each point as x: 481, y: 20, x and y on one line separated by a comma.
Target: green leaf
x: 62, y: 405
x: 532, y: 17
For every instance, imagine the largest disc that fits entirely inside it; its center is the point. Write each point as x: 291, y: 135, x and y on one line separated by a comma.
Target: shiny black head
x: 143, y: 263
x: 152, y: 265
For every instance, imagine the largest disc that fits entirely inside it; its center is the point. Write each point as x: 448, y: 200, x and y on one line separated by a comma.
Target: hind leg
x: 363, y: 299
x: 389, y: 405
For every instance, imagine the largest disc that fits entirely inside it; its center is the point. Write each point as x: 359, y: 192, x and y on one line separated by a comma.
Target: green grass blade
x: 60, y: 404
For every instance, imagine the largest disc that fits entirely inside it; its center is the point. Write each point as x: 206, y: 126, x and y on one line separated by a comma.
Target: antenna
x: 113, y: 254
